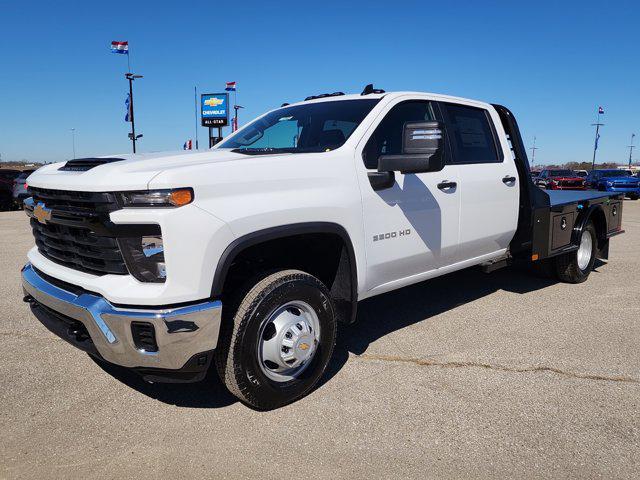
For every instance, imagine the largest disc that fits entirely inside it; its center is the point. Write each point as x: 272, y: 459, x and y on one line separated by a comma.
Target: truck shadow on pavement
x: 209, y: 393
x: 377, y: 317
x: 384, y: 314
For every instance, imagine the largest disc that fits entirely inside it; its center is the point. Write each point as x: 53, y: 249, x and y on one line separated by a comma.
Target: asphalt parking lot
x: 465, y: 376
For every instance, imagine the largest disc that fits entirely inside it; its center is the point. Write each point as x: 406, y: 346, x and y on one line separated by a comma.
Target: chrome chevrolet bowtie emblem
x: 42, y: 213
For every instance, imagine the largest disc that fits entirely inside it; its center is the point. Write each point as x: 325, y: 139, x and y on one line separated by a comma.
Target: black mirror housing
x: 422, y: 149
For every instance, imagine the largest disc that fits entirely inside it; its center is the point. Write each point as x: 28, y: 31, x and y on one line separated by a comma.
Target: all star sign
x: 214, y: 109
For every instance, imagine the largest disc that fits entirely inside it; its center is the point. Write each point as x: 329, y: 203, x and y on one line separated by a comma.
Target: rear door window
x: 471, y: 134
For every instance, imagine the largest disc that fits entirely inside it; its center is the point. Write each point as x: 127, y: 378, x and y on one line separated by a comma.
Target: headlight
x: 610, y: 184
x: 157, y: 198
x: 144, y: 257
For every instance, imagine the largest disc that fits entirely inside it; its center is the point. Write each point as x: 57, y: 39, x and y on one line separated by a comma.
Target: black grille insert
x: 69, y: 237
x: 76, y: 202
x: 144, y: 336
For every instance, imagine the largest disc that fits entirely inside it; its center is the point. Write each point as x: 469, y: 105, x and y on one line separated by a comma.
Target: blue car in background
x: 619, y: 181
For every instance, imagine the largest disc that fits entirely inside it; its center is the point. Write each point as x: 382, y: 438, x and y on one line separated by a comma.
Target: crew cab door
x: 411, y: 224
x: 488, y: 180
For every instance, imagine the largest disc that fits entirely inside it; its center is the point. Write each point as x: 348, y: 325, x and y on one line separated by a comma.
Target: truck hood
x: 129, y: 172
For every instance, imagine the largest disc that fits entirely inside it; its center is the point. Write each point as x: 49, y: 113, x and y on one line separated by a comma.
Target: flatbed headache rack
x: 550, y: 224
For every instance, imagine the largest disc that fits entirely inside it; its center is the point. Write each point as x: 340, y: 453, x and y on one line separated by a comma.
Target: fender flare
x: 582, y: 221
x: 283, y: 231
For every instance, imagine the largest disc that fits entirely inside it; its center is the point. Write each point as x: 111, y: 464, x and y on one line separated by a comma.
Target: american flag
x: 187, y: 145
x: 230, y: 86
x: 120, y: 47
x: 600, y: 110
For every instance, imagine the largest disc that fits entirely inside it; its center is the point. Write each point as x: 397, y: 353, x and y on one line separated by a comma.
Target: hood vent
x: 84, y: 164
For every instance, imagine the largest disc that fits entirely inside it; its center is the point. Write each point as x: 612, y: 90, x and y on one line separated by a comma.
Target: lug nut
x: 285, y: 349
x: 288, y: 335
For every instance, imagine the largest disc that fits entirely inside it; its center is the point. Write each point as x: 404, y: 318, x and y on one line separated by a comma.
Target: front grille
x: 77, y: 202
x: 70, y: 237
x: 570, y: 183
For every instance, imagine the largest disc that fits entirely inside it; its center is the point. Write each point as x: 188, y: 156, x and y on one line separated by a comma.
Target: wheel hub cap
x: 288, y: 340
x: 585, y: 250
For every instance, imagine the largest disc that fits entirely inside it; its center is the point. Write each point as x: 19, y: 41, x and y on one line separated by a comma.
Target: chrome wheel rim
x: 585, y: 250
x: 288, y: 340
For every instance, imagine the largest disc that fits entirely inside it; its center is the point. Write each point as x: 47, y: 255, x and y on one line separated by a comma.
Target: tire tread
x: 250, y: 296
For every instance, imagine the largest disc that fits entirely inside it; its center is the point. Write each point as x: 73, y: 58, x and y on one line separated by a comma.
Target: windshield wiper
x: 261, y: 151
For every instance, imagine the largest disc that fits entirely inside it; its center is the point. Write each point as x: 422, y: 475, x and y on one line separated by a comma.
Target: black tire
x: 237, y: 359
x: 566, y: 266
x: 633, y: 197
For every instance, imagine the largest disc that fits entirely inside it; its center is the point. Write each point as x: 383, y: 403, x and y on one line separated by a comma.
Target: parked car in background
x: 7, y: 176
x: 20, y: 188
x: 621, y: 181
x: 581, y: 173
x: 559, y: 179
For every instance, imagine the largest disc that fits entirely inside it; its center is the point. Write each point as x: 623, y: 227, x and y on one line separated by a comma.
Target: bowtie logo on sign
x: 213, y: 102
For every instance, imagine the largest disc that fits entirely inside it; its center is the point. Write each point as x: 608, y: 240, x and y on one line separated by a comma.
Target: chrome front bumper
x: 180, y: 332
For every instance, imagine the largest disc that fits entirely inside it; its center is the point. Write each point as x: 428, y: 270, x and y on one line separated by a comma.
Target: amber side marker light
x: 181, y: 197
x: 534, y: 257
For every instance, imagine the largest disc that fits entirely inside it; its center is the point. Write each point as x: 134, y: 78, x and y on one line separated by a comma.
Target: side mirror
x: 422, y: 150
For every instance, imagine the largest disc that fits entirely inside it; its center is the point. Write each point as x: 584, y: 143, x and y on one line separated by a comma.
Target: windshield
x: 561, y: 173
x: 312, y: 127
x: 616, y: 173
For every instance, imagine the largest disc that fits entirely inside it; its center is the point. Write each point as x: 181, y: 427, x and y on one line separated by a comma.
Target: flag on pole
x: 230, y: 86
x: 127, y: 104
x: 600, y: 110
x: 120, y: 47
x: 187, y: 145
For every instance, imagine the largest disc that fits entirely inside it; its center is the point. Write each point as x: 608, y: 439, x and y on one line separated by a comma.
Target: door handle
x: 446, y: 185
x: 508, y: 179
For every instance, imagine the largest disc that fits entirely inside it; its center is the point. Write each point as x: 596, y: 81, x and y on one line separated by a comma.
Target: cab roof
x: 392, y: 95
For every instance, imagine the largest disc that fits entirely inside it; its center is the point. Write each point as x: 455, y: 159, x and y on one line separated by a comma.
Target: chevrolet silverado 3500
x: 248, y: 254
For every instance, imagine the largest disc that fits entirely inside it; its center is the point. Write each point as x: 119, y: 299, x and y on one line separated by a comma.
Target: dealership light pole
x: 533, y: 152
x: 235, y: 117
x: 595, y: 145
x: 195, y: 111
x: 132, y: 136
x: 73, y: 141
x: 631, y: 147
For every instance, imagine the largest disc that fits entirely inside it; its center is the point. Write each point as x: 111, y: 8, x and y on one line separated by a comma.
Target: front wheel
x: 279, y: 341
x: 575, y: 267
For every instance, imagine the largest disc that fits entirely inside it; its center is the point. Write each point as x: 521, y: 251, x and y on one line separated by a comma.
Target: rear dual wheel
x: 279, y: 340
x: 575, y: 267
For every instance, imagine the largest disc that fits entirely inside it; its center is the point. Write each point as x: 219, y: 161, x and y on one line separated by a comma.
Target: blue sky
x: 551, y: 63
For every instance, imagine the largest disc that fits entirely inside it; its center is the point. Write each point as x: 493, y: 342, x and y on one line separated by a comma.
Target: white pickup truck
x: 248, y: 254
